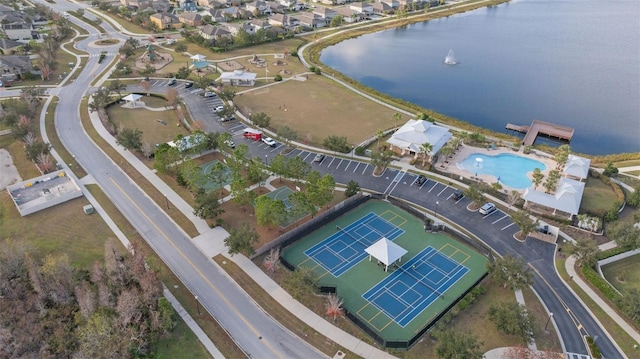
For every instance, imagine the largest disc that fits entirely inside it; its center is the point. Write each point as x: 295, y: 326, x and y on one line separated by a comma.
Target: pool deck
x: 453, y: 165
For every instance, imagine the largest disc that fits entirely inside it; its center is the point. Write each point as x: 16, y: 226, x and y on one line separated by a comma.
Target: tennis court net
x: 419, y: 280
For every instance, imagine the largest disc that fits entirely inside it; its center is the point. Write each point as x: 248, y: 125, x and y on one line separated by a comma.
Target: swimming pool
x: 510, y: 169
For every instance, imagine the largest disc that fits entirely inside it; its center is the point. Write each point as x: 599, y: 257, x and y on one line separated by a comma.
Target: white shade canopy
x: 132, y: 97
x: 385, y: 251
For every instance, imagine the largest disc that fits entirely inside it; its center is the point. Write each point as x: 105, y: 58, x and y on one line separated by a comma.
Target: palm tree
x: 334, y: 304
x: 425, y: 149
x: 537, y: 177
x: 379, y: 135
x: 396, y: 117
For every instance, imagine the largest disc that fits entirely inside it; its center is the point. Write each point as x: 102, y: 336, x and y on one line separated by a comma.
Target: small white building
x: 567, y: 197
x: 409, y: 138
x: 238, y: 78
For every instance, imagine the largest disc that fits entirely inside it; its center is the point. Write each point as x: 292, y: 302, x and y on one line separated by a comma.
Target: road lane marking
x: 507, y: 226
x: 444, y: 189
x: 332, y: 159
x: 177, y: 249
x: 338, y: 166
x: 357, y: 165
x: 499, y: 219
x: 348, y: 164
x: 307, y: 156
x: 365, y: 167
x: 434, y: 186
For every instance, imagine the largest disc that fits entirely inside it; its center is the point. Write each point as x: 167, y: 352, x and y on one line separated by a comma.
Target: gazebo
x: 386, y: 252
x: 197, y: 58
x: 133, y: 98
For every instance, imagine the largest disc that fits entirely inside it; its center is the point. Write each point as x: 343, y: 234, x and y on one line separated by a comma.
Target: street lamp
x: 166, y: 200
x: 437, y: 203
x: 548, y: 320
x: 198, y: 305
x: 266, y: 160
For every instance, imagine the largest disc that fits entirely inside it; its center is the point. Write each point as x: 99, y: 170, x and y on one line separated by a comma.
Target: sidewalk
x: 570, y: 266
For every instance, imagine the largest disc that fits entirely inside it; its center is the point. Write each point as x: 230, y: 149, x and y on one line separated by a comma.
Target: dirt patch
x: 8, y: 172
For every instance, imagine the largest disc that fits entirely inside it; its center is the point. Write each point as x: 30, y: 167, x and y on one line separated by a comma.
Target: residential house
x: 349, y: 15
x: 165, y: 21
x: 381, y: 8
x: 9, y: 47
x: 190, y: 18
x: 309, y: 19
x: 260, y: 24
x: 214, y: 33
x: 394, y: 4
x: 234, y: 28
x: 20, y: 31
x: 325, y: 13
x: 139, y: 4
x: 325, y: 2
x: 277, y: 8
x: 283, y: 20
x: 406, y: 4
x: 162, y: 6
x: 13, y: 67
x: 233, y: 12
x: 362, y: 7
x: 258, y: 8
x: 210, y: 4
x: 217, y: 15
x: 189, y: 6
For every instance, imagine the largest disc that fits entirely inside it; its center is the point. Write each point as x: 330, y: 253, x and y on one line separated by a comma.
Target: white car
x: 210, y: 94
x: 488, y: 208
x: 269, y: 141
x: 218, y: 109
x: 230, y: 143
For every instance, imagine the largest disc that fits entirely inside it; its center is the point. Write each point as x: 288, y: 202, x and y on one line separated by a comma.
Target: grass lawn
x: 598, y: 197
x: 57, y: 230
x: 625, y: 273
x: 325, y: 108
x: 628, y: 163
x: 156, y: 126
x: 621, y: 337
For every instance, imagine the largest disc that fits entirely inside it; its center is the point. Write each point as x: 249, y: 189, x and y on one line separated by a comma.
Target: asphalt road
x: 255, y: 332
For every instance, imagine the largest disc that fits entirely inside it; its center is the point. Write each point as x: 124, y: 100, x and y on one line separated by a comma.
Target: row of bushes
x: 600, y: 283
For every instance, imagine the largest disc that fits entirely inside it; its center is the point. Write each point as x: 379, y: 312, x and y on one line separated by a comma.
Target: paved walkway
x: 570, y: 266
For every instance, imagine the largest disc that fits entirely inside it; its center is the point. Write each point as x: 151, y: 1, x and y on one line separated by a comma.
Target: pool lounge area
x: 513, y: 168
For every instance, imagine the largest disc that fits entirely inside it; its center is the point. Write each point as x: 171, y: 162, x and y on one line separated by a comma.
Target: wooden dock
x: 538, y: 127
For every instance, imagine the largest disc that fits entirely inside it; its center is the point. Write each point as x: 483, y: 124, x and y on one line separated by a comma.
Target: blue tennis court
x: 345, y: 248
x: 411, y: 288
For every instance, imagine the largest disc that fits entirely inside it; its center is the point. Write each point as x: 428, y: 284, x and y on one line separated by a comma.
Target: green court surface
x: 282, y: 194
x: 207, y: 183
x: 365, y: 275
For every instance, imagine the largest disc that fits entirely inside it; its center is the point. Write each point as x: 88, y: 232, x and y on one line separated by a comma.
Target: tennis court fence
x: 312, y: 225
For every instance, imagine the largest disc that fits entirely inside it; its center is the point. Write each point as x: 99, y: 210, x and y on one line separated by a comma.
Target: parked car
x: 218, y: 109
x: 487, y: 208
x: 210, y: 94
x: 227, y: 118
x: 172, y: 82
x: 458, y: 195
x: 230, y: 143
x: 269, y: 141
x: 188, y: 85
x: 318, y: 158
x: 421, y: 180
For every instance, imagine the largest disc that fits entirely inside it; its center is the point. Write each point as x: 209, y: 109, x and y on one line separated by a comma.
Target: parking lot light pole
x: 436, y: 211
x: 266, y: 160
x: 166, y: 200
x: 198, y: 305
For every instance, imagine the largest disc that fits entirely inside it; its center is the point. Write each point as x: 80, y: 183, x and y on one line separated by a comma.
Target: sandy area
x: 465, y: 151
x: 8, y: 172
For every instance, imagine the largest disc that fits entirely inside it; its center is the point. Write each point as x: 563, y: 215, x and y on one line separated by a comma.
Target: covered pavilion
x: 386, y: 252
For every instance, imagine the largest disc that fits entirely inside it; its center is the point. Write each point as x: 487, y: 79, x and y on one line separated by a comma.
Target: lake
x: 574, y: 63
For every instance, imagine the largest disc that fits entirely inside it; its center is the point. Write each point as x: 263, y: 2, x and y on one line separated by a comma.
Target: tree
x: 457, y: 345
x: 269, y: 212
x: 511, y: 272
x: 513, y: 197
x: 181, y: 47
x: 241, y: 240
x: 610, y: 170
x: 562, y: 156
x: 116, y: 86
x: 336, y: 21
x: 334, y: 307
x: 587, y: 250
x: 301, y: 281
x: 130, y: 139
x: 218, y: 174
x: 526, y: 224
x: 35, y: 149
x: 100, y: 99
x: 629, y: 302
x: 537, y: 177
x: 512, y: 318
x: 396, y: 118
x: 379, y: 136
x: 336, y: 143
x: 475, y: 194
x: 172, y: 97
x: 552, y: 181
x: 380, y: 160
x: 625, y: 233
x: 279, y: 165
x: 287, y: 134
x: 207, y: 204
x: 261, y: 120
x: 270, y: 262
x: 297, y: 168
x: 146, y: 85
x: 425, y: 149
x: 241, y: 195
x: 352, y: 188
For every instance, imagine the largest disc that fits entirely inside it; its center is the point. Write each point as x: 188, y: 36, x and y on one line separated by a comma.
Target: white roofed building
x: 409, y: 138
x: 567, y: 198
x: 238, y: 78
x: 576, y: 167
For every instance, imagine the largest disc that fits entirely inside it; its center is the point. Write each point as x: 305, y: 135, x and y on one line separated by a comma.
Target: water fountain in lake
x: 450, y: 59
x: 478, y: 162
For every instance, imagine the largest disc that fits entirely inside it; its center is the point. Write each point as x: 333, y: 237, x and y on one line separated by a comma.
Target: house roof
x: 238, y: 75
x: 9, y: 44
x: 413, y: 134
x: 386, y: 251
x: 577, y: 166
x: 190, y: 16
x: 567, y: 197
x: 21, y: 62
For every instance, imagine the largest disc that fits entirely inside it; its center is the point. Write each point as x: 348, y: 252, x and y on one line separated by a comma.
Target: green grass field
x: 597, y: 198
x: 624, y: 274
x: 364, y: 275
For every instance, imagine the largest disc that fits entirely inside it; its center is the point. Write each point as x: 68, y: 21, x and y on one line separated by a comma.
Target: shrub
x: 360, y: 151
x: 612, y: 214
x: 594, y: 349
x: 600, y: 283
x: 277, y: 78
x: 337, y: 143
x: 318, y: 71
